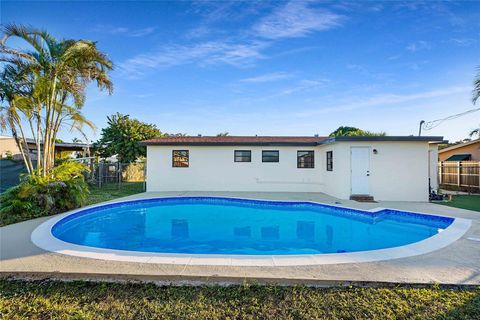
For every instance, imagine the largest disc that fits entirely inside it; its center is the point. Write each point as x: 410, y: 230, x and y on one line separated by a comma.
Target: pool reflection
x: 179, y: 229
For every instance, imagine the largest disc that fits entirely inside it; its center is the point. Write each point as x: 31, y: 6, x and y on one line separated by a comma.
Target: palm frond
x: 40, y: 40
x: 475, y: 132
x: 476, y: 87
x: 17, y: 53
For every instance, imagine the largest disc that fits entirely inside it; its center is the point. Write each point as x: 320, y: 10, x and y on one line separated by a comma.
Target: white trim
x: 43, y: 238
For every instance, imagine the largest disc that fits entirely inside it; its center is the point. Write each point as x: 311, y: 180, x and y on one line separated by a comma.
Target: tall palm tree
x: 61, y: 71
x: 14, y: 103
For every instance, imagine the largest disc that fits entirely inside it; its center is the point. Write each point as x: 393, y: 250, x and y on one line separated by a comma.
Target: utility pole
x: 420, y: 127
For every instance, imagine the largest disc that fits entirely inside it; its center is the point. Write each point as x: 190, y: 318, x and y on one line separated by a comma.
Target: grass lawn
x: 112, y: 191
x: 86, y: 300
x: 464, y: 202
x: 105, y: 193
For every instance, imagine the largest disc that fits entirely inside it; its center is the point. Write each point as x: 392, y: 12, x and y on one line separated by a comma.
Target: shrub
x: 64, y: 188
x: 9, y: 155
x: 134, y: 172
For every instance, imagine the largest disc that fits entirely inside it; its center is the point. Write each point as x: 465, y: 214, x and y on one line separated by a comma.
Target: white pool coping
x: 43, y: 238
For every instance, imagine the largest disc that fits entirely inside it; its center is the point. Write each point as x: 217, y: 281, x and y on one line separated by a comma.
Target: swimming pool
x: 242, y: 228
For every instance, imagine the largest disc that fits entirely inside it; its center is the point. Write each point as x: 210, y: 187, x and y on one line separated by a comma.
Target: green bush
x: 64, y: 188
x: 9, y: 155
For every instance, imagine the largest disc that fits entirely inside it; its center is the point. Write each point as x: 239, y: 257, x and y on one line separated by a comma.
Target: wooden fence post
x: 458, y: 173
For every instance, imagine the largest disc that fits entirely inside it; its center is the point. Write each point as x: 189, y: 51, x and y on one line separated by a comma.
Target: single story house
x: 8, y: 147
x: 396, y: 168
x: 468, y: 151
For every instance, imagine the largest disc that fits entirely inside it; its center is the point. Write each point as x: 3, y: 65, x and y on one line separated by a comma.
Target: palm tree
x: 475, y: 97
x: 13, y: 95
x: 61, y: 71
x: 476, y: 87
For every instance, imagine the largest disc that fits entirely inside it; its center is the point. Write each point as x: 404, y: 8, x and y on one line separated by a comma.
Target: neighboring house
x: 386, y: 168
x: 8, y: 146
x: 461, y: 152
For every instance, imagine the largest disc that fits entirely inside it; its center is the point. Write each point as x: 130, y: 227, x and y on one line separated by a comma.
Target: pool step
x: 362, y: 198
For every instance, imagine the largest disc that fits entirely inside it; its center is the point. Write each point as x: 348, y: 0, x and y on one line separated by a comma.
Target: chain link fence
x: 104, y: 173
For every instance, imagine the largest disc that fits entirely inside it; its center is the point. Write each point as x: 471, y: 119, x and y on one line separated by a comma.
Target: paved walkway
x: 458, y: 263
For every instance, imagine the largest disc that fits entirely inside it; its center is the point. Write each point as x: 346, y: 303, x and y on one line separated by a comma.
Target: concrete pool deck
x: 458, y: 263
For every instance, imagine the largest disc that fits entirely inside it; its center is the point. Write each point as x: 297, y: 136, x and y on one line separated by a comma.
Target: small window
x: 180, y: 158
x: 270, y: 156
x: 305, y: 159
x: 329, y: 160
x: 243, y: 156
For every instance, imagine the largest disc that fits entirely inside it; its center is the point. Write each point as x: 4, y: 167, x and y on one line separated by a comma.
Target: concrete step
x: 362, y: 198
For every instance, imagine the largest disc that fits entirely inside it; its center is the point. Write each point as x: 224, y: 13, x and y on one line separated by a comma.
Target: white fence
x: 459, y: 173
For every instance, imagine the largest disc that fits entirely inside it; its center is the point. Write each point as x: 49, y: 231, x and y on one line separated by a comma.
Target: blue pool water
x: 205, y: 225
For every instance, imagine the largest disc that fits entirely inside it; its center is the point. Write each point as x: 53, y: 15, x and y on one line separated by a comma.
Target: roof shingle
x: 278, y: 140
x: 236, y: 140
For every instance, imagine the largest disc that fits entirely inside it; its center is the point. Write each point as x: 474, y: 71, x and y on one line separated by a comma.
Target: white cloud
x: 386, y: 99
x: 357, y: 68
x: 363, y: 71
x: 296, y: 19
x: 143, y: 95
x: 269, y: 77
x: 418, y: 45
x: 463, y: 42
x: 218, y: 11
x: 124, y: 30
x: 300, y: 86
x: 198, y: 32
x: 142, y: 32
x: 304, y: 85
x: 394, y: 57
x: 206, y: 53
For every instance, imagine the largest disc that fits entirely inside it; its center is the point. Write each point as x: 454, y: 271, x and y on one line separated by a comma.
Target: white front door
x: 360, y: 165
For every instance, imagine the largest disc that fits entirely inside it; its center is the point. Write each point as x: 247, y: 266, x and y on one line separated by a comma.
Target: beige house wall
x: 473, y: 149
x: 8, y: 144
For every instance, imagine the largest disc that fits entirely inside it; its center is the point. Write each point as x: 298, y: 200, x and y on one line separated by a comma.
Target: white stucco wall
x: 336, y: 182
x: 214, y: 169
x: 398, y: 172
x: 433, y: 165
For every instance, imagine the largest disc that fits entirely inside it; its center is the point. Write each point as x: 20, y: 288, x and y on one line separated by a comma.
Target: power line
x: 435, y: 123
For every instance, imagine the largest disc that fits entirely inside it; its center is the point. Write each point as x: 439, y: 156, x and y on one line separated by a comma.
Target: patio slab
x: 458, y: 263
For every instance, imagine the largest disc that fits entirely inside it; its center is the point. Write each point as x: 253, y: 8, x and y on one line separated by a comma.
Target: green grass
x: 105, y: 193
x: 112, y: 191
x: 464, y: 202
x: 87, y: 300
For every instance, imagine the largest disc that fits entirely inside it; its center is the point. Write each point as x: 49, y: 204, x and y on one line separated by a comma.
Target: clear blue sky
x: 276, y: 68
